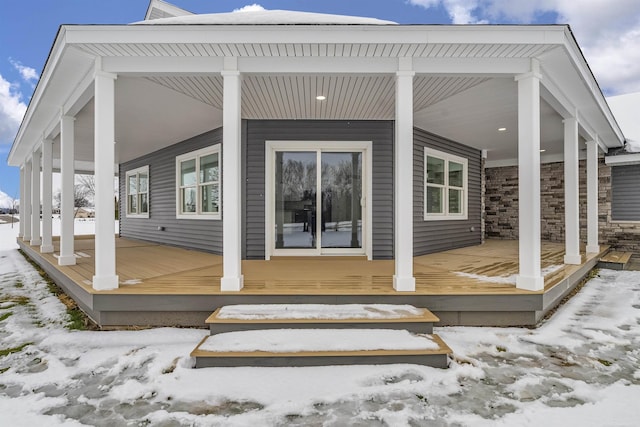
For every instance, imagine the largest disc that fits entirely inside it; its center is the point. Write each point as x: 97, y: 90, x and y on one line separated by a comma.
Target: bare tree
x: 80, y: 199
x: 88, y: 185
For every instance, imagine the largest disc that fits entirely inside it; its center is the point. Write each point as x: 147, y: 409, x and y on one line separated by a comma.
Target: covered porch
x: 168, y: 285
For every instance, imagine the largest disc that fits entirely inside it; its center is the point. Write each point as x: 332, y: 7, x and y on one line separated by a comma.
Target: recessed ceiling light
x: 321, y: 97
x: 501, y: 129
x: 543, y: 150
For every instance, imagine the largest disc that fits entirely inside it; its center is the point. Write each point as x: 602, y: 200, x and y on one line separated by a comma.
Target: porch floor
x: 146, y: 268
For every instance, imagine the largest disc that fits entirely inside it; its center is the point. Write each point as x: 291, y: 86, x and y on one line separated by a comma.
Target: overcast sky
x: 608, y: 31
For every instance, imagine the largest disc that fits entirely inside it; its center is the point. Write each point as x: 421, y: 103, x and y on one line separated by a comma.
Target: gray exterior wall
x: 204, y: 235
x: 625, y: 192
x: 259, y: 131
x: 436, y: 236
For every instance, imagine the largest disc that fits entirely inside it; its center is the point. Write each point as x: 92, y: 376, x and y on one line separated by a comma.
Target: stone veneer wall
x: 501, y: 206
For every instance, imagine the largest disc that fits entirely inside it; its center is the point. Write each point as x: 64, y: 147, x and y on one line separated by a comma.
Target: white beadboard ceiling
x: 294, y: 97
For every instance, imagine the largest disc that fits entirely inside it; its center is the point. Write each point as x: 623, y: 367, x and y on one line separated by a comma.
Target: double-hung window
x: 445, y: 186
x: 138, y: 192
x: 198, y: 184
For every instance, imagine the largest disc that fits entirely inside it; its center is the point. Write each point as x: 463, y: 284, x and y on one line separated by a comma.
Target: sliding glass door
x: 318, y: 210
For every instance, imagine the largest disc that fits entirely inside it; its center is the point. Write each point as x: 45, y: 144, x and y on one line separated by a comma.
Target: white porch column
x: 25, y: 203
x: 592, y: 197
x: 571, y: 193
x: 22, y: 215
x: 67, y: 175
x: 403, y: 279
x: 47, y: 175
x: 530, y: 274
x: 104, y: 158
x: 232, y: 279
x: 35, y: 198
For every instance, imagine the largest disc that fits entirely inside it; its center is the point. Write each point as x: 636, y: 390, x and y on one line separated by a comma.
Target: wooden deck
x: 156, y: 279
x: 147, y: 268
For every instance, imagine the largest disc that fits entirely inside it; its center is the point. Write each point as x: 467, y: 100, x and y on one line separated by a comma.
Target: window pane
x: 210, y: 198
x: 144, y: 204
x: 142, y: 182
x: 434, y: 200
x: 133, y: 204
x: 133, y: 184
x: 188, y: 197
x: 456, y: 174
x: 455, y: 201
x: 435, y: 170
x: 209, y: 168
x: 188, y: 173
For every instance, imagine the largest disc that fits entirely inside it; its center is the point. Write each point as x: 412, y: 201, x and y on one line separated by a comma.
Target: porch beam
x: 403, y: 279
x: 571, y: 193
x: 592, y: 197
x: 67, y: 178
x: 104, y: 157
x: 27, y: 201
x: 232, y: 279
x: 530, y: 274
x: 47, y: 178
x: 312, y: 65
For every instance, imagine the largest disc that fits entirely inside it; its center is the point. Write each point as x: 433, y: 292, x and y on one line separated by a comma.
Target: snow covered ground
x: 582, y: 367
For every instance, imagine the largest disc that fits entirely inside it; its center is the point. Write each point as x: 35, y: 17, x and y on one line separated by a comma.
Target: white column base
x: 67, y: 260
x: 529, y: 283
x: 19, y: 235
x: 231, y: 284
x: 593, y: 249
x: 46, y: 249
x: 105, y: 283
x: 573, y: 259
x: 404, y: 284
x: 35, y: 242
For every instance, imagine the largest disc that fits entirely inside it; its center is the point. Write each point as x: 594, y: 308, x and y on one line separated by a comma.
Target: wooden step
x: 421, y: 322
x: 615, y: 260
x: 438, y: 358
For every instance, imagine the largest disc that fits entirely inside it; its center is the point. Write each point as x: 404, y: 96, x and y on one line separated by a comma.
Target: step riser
x: 611, y: 265
x: 436, y: 361
x: 419, y: 328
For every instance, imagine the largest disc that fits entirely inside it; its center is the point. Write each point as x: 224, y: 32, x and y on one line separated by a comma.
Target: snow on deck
x: 305, y: 340
x: 318, y: 311
x: 509, y: 280
x: 266, y: 17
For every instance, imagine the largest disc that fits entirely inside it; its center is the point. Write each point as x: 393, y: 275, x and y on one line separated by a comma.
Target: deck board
x: 151, y: 269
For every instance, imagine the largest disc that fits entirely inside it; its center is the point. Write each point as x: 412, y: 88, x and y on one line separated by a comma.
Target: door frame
x: 366, y: 147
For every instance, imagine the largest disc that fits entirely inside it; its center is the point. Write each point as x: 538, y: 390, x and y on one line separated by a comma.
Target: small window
x: 198, y: 184
x: 445, y: 186
x: 137, y: 182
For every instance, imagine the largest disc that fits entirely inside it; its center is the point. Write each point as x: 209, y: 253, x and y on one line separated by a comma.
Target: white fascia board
x: 465, y: 66
x: 622, y: 159
x: 81, y: 95
x: 19, y: 151
x: 352, y: 34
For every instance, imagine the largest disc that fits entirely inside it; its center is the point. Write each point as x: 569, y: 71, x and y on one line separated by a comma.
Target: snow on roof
x: 266, y: 17
x: 624, y: 108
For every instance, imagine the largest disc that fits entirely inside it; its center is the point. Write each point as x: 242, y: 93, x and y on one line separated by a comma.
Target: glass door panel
x: 341, y: 193
x: 295, y: 199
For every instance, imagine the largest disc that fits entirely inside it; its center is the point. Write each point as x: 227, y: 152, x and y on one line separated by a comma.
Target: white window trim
x: 137, y: 172
x: 465, y: 193
x: 195, y: 155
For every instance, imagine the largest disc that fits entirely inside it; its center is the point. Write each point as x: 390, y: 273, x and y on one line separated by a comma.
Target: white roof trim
x: 162, y: 6
x: 623, y: 159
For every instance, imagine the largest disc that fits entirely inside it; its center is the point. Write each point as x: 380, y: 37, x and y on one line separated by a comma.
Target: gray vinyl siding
x: 204, y: 235
x: 436, y: 236
x: 625, y: 189
x: 259, y: 131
